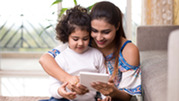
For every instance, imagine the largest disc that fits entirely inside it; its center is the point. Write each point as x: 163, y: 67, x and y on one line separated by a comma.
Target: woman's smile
x: 100, y: 42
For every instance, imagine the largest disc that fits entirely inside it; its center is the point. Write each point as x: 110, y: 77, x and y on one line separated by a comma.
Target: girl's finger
x: 64, y: 84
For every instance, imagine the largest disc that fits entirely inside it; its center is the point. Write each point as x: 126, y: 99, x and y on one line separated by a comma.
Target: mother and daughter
x: 112, y: 53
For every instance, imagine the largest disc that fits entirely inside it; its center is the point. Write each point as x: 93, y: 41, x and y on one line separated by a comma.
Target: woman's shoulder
x: 131, y: 54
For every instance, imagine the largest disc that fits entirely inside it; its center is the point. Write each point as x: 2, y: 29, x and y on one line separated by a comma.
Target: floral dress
x: 128, y: 77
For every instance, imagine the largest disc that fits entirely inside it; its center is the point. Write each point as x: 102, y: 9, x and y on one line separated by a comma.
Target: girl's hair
x: 111, y: 14
x: 76, y: 17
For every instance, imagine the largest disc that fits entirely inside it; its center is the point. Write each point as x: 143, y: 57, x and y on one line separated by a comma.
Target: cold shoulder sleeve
x: 130, y: 77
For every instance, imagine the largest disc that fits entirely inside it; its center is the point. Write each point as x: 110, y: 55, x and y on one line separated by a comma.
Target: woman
x: 122, y: 56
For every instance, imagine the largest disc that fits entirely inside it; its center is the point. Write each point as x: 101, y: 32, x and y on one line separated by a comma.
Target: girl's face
x: 102, y: 32
x: 79, y: 40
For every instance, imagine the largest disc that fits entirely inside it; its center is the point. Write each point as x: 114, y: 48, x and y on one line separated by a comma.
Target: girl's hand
x: 108, y: 98
x: 72, y: 80
x: 62, y: 91
x: 105, y: 88
x: 74, y: 86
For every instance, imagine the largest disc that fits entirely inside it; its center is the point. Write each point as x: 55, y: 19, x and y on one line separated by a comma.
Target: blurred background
x: 27, y: 31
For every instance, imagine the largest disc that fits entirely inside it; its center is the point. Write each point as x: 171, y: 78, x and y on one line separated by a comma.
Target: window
x: 22, y: 25
x: 22, y: 43
x: 22, y: 30
x: 23, y: 39
x: 131, y: 11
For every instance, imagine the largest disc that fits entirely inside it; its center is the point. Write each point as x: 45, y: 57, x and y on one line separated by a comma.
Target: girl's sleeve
x: 53, y: 87
x: 54, y: 83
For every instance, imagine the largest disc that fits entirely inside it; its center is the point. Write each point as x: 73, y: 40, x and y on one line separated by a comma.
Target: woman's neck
x: 110, y: 48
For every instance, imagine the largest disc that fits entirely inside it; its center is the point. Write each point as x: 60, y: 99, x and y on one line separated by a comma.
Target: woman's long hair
x: 111, y: 14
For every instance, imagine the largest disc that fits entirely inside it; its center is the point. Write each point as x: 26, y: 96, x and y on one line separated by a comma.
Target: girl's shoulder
x: 61, y: 47
x: 94, y: 50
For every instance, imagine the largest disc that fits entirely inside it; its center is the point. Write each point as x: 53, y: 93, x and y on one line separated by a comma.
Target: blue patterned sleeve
x: 54, y: 52
x: 131, y: 77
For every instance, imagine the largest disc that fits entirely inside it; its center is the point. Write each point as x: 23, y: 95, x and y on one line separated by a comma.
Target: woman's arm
x: 52, y: 68
x: 118, y: 94
x: 109, y: 89
x: 131, y: 55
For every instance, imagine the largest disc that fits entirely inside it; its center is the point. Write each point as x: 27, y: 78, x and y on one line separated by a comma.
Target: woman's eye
x: 93, y: 30
x: 106, y: 32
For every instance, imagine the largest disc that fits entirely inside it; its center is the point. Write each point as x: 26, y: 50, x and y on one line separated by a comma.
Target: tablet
x: 86, y: 78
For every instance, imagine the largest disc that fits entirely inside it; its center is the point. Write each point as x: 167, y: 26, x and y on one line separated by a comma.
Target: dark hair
x: 112, y: 15
x: 76, y: 17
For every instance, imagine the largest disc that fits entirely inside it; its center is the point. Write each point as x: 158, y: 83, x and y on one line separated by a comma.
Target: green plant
x: 62, y: 11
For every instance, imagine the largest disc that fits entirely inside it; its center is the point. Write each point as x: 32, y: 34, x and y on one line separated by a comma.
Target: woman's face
x: 79, y: 40
x: 102, y: 32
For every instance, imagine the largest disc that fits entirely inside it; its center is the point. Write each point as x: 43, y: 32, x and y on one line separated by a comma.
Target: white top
x: 90, y: 61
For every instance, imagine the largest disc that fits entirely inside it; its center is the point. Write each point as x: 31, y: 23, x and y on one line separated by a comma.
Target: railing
x: 20, y: 33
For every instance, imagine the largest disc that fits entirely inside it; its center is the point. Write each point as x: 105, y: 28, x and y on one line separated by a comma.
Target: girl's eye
x: 85, y: 39
x: 75, y: 39
x: 94, y: 30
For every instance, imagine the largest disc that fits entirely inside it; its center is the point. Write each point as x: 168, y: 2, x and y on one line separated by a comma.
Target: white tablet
x: 86, y: 78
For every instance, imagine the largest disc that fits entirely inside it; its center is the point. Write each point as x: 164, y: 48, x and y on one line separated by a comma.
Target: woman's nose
x: 99, y: 37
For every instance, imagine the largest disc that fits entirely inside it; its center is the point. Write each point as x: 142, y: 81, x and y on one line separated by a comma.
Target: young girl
x: 121, y: 55
x: 74, y: 28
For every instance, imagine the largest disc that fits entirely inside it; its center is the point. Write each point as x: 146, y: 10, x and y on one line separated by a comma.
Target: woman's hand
x: 109, y: 89
x: 62, y: 91
x: 74, y: 86
x: 79, y: 89
x: 105, y: 88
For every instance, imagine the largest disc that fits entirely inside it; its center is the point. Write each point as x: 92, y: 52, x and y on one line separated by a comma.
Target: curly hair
x: 76, y: 17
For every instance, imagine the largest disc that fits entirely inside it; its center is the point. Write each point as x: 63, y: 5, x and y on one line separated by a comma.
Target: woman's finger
x: 99, y: 85
x: 79, y: 89
x: 71, y: 96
